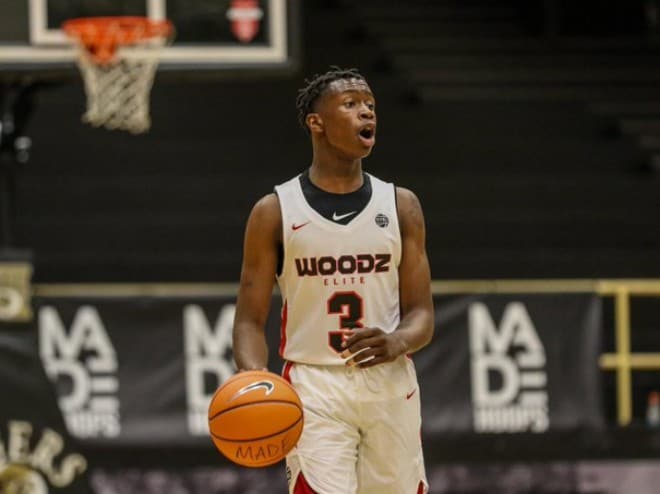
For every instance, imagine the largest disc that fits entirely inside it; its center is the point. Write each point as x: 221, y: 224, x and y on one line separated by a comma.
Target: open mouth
x: 367, y: 133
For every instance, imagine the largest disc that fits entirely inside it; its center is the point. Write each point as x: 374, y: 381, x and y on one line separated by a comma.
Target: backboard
x: 211, y: 35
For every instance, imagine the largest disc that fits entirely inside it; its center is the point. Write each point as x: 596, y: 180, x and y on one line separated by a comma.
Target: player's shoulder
x: 267, y: 205
x: 265, y: 217
x: 409, y: 210
x: 406, y: 198
x: 265, y: 220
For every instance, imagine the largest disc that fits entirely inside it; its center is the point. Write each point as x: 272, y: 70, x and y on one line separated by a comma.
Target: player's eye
x: 371, y: 106
x: 349, y: 104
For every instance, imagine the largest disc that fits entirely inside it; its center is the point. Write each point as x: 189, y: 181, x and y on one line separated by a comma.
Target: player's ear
x: 314, y: 122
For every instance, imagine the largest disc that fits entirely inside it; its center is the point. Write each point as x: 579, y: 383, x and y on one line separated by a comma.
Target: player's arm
x: 415, y: 329
x: 263, y: 234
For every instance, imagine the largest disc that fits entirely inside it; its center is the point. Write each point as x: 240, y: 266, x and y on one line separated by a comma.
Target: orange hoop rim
x: 101, y: 36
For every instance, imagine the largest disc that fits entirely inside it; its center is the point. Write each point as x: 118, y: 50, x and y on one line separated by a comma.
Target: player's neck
x: 338, y: 178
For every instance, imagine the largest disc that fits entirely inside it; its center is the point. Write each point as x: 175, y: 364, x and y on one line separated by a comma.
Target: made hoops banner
x: 513, y: 364
x: 141, y: 370
x: 138, y: 371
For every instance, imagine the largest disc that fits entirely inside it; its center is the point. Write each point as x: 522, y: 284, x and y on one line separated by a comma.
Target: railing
x: 623, y: 361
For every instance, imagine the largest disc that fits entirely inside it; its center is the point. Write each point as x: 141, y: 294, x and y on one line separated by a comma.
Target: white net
x: 118, y: 92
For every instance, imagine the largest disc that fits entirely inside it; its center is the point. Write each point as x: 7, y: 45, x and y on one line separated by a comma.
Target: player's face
x: 348, y: 112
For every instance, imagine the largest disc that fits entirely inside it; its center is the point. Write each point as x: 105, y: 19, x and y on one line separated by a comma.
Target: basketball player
x: 348, y: 252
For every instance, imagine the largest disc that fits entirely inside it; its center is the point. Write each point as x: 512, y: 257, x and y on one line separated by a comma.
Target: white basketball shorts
x: 362, y: 429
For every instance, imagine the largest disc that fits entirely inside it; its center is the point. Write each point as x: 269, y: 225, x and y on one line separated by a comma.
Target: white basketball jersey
x: 336, y: 276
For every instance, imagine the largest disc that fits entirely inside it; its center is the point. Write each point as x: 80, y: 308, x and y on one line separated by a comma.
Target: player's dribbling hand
x: 371, y: 346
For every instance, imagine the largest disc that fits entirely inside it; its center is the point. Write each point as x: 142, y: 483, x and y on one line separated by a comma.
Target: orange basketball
x: 255, y: 418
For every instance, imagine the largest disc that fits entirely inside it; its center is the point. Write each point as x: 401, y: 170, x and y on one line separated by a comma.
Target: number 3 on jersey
x: 350, y: 307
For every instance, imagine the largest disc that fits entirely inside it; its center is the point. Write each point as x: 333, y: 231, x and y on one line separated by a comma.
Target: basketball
x: 255, y: 418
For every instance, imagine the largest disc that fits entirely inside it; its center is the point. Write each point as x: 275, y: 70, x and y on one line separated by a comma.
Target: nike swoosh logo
x: 409, y: 395
x: 298, y: 227
x: 267, y: 385
x: 338, y: 217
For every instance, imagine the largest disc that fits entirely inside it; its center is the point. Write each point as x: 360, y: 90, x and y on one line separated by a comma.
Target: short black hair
x: 308, y: 95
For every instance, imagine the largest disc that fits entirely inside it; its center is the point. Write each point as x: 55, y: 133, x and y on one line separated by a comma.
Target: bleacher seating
x: 509, y: 146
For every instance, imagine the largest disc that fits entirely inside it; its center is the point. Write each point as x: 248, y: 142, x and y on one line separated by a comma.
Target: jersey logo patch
x: 267, y: 385
x: 295, y: 227
x: 339, y: 217
x: 382, y: 220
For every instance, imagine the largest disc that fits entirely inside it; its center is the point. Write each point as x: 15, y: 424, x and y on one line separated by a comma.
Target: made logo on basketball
x: 255, y: 418
x: 264, y: 453
x: 82, y: 363
x: 509, y: 379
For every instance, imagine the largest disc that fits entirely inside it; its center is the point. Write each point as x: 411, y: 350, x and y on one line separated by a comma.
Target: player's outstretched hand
x: 367, y: 347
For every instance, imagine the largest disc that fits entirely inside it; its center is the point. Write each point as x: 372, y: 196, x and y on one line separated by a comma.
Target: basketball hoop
x: 118, y: 58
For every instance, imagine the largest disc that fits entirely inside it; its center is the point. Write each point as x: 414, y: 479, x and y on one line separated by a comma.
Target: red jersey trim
x: 286, y: 371
x: 302, y: 487
x: 283, y: 316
